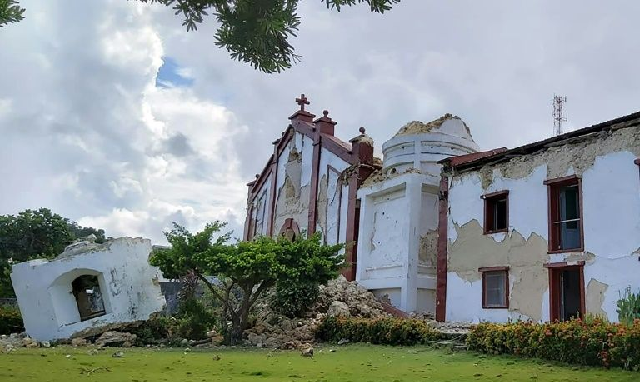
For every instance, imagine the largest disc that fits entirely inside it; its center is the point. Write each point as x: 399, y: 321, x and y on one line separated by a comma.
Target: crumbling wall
x: 292, y: 187
x: 128, y: 285
x: 611, y: 225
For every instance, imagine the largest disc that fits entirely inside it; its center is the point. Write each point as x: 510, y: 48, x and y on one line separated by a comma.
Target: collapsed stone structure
x: 87, y: 287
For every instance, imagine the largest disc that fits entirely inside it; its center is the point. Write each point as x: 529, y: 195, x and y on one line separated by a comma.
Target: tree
x: 252, y: 31
x: 10, y: 12
x: 79, y: 232
x: 244, y: 271
x: 33, y: 234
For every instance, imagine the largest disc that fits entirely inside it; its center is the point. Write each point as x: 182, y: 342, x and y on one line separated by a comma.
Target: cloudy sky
x: 113, y: 115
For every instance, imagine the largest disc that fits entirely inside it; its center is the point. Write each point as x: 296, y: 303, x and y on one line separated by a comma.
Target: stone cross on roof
x: 302, y: 101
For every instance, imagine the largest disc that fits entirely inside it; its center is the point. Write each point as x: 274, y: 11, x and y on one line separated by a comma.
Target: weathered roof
x: 477, y: 160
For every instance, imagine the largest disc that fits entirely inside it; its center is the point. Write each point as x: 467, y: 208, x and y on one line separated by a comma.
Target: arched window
x: 290, y: 229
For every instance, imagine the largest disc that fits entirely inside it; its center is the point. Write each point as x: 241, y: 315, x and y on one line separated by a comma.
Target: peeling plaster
x: 525, y: 257
x: 595, y: 297
x: 568, y: 158
x: 428, y: 249
x: 323, y: 203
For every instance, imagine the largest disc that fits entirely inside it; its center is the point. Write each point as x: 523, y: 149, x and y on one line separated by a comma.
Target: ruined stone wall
x: 611, y: 224
x: 128, y: 284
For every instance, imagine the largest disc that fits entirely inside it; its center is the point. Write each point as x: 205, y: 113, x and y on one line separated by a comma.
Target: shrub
x: 384, y: 331
x: 294, y: 299
x: 193, y: 320
x: 157, y: 329
x: 10, y: 320
x: 594, y: 342
x: 628, y: 307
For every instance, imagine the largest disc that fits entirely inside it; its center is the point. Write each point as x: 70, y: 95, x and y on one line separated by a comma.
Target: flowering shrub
x: 593, y: 341
x: 385, y: 331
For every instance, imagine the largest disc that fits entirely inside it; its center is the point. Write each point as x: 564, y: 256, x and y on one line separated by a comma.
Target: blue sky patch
x: 171, y: 75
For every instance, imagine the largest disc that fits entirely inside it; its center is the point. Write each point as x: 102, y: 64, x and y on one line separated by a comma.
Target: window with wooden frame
x: 565, y: 214
x: 496, y: 212
x: 495, y: 287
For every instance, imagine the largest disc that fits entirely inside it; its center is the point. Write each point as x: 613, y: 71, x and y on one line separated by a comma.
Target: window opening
x: 86, y: 290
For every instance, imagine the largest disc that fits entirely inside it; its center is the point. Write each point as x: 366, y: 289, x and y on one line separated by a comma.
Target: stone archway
x: 290, y: 229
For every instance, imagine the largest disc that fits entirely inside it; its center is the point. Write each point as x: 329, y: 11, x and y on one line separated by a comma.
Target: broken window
x: 496, y: 212
x: 495, y: 287
x: 86, y: 290
x: 565, y: 218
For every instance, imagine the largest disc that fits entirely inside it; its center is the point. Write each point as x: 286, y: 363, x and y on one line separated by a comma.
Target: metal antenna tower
x: 558, y: 113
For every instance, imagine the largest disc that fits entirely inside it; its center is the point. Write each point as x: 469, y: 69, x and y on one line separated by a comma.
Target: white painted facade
x: 128, y: 284
x: 610, y: 182
x: 293, y: 187
x: 399, y: 213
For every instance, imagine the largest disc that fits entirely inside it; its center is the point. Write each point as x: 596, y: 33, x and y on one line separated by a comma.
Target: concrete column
x: 410, y: 285
x: 363, y: 243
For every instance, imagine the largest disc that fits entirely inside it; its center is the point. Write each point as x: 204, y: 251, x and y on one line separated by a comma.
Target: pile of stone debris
x: 22, y: 340
x: 106, y: 339
x: 338, y: 298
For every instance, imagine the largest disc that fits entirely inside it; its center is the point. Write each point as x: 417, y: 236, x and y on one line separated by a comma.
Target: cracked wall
x: 128, y: 283
x: 611, y: 225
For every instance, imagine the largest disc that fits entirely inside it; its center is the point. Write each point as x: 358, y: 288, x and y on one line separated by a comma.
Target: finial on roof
x: 302, y: 101
x: 362, y: 130
x: 325, y: 112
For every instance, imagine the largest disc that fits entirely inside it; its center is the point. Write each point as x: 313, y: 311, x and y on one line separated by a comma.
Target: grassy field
x: 352, y: 363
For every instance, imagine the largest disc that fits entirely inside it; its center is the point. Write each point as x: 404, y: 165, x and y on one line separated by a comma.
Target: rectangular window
x: 565, y: 214
x: 496, y: 212
x: 495, y: 287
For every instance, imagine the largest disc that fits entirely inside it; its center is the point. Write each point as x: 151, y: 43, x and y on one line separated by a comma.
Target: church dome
x: 420, y: 145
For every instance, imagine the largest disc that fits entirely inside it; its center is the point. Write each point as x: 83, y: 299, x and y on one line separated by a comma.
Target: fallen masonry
x: 338, y: 298
x: 88, y: 289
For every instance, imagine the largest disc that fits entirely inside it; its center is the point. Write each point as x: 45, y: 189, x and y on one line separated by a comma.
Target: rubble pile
x: 22, y: 340
x: 338, y: 298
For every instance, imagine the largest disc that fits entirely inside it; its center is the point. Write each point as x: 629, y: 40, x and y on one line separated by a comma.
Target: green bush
x: 156, y: 330
x: 193, y: 320
x: 593, y: 342
x: 10, y: 320
x: 384, y: 331
x: 628, y: 307
x: 293, y: 299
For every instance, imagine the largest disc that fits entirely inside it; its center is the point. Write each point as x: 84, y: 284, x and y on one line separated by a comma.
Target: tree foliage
x: 10, y: 12
x: 257, y: 31
x: 33, y: 234
x: 243, y: 271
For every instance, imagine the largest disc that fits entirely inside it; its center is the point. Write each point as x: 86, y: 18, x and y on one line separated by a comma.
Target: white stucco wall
x: 127, y: 282
x: 611, y: 224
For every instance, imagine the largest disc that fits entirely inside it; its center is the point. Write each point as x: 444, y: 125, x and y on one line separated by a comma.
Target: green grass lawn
x: 352, y: 363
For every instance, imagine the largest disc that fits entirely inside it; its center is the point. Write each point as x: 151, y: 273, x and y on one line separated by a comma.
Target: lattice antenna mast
x: 558, y: 114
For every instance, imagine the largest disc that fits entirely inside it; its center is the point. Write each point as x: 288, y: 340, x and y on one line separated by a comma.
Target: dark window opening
x: 566, y: 292
x: 495, y: 287
x: 86, y: 290
x: 565, y: 215
x: 496, y: 212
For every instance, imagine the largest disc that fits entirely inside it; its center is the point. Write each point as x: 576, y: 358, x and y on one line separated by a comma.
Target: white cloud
x: 86, y: 132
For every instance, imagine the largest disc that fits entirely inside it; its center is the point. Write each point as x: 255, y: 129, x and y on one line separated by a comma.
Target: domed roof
x: 447, y: 124
x: 427, y: 143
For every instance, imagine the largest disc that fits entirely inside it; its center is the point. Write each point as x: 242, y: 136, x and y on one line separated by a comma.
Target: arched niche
x: 79, y: 295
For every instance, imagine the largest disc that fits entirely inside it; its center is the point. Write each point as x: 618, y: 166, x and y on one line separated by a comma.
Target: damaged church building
x: 89, y: 286
x: 546, y: 231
